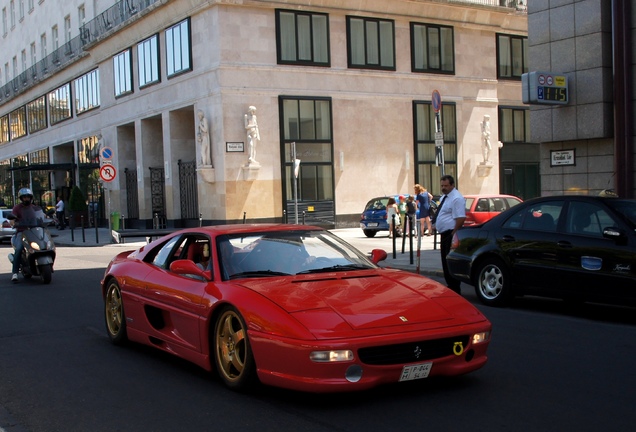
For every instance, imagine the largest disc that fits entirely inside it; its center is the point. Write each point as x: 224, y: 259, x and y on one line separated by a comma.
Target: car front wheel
x: 114, y: 314
x: 232, y: 351
x: 493, y: 284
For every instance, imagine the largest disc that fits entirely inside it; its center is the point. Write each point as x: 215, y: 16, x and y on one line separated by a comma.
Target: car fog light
x: 331, y: 356
x: 354, y: 373
x: 480, y: 337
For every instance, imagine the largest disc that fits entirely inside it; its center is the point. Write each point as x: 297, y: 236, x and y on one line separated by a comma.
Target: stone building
x: 107, y: 95
x: 586, y: 145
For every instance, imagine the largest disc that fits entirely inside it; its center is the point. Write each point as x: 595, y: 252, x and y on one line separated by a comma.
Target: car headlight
x: 331, y: 356
x: 480, y: 337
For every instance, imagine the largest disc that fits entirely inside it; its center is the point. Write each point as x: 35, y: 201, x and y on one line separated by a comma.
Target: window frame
x: 87, y: 95
x: 55, y: 108
x: 511, y: 56
x: 37, y: 119
x: 143, y: 63
x: 312, y: 18
x: 185, y: 57
x: 440, y: 49
x: 427, y: 172
x: 368, y: 43
x: 122, y: 73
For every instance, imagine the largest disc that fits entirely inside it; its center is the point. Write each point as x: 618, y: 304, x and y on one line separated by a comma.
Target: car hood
x: 368, y: 300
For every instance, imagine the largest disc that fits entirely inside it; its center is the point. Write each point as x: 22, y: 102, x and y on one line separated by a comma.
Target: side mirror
x: 378, y: 255
x: 186, y: 267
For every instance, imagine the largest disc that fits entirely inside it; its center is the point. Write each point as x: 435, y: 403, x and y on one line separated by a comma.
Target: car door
x: 594, y: 265
x: 175, y: 302
x: 528, y: 239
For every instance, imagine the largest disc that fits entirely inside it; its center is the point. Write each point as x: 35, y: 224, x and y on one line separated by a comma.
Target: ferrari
x: 292, y: 306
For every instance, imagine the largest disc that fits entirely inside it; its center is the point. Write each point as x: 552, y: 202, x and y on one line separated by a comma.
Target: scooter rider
x: 25, y: 216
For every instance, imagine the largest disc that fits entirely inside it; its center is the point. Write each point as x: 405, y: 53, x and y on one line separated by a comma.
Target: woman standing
x: 392, y: 213
x: 424, y: 203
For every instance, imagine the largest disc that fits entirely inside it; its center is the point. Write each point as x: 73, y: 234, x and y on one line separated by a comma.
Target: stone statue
x: 253, y: 136
x: 485, y: 139
x: 203, y: 138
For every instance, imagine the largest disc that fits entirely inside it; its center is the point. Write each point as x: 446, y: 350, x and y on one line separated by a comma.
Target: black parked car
x: 581, y: 248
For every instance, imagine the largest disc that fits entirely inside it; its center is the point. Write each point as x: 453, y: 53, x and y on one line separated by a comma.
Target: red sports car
x: 291, y: 306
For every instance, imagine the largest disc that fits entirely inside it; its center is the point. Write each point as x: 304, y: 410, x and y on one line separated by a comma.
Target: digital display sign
x: 545, y: 88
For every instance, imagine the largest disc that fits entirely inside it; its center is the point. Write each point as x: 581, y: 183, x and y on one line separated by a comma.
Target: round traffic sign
x: 437, y: 101
x: 106, y: 153
x: 107, y: 173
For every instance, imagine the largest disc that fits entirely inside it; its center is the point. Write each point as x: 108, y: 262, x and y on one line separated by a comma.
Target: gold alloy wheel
x: 114, y: 310
x: 231, y: 347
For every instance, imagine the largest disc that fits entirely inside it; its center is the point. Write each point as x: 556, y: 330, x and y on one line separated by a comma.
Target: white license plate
x: 372, y: 224
x: 416, y: 371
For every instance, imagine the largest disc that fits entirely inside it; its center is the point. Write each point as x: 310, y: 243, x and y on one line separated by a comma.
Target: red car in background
x: 482, y: 208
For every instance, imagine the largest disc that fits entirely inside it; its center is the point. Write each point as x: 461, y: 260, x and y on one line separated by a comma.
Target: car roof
x: 477, y: 196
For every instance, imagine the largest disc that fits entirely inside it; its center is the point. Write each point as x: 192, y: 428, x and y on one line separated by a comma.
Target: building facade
x: 146, y: 105
x: 586, y: 145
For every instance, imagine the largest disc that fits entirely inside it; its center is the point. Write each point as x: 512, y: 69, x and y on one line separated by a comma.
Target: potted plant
x: 77, y: 207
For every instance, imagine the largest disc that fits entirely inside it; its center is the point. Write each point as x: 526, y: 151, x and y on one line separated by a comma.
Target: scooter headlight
x: 34, y: 246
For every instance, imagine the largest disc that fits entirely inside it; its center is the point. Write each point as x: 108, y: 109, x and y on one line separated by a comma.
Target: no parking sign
x: 107, y: 173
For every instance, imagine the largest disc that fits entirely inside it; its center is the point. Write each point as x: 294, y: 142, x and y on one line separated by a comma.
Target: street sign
x: 437, y: 101
x: 547, y: 88
x: 106, y: 153
x: 107, y: 173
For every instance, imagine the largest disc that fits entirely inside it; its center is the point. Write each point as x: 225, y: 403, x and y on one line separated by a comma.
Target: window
x: 148, y: 61
x: 36, y: 114
x: 370, y: 43
x: 122, y: 70
x: 587, y: 219
x: 34, y: 59
x: 512, y: 56
x: 87, y: 92
x: 15, y: 66
x: 60, y: 103
x: 17, y: 123
x: 302, y: 38
x: 12, y: 10
x: 43, y: 49
x: 514, y: 125
x: 178, y: 49
x: 81, y: 15
x: 5, y: 30
x: 432, y: 48
x: 67, y: 29
x: 307, y: 122
x: 21, y: 10
x: 31, y: 5
x: 4, y: 129
x: 540, y: 217
x: 23, y: 57
x: 54, y: 37
x: 428, y: 158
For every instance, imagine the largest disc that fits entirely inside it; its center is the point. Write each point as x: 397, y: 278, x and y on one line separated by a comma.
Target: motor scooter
x: 38, y: 253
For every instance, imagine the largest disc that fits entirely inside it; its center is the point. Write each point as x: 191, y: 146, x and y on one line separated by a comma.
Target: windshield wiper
x: 336, y: 268
x: 258, y: 273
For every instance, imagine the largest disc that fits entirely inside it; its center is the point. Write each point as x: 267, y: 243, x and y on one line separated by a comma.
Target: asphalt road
x: 550, y: 369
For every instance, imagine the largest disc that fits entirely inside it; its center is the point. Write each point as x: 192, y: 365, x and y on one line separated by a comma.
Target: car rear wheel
x: 114, y: 314
x: 370, y: 233
x: 493, y: 284
x: 232, y: 352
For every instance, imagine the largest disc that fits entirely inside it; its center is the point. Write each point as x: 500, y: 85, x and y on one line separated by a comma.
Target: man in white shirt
x: 59, y: 210
x: 449, y: 218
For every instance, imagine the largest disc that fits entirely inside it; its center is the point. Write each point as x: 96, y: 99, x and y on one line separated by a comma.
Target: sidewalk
x: 429, y: 261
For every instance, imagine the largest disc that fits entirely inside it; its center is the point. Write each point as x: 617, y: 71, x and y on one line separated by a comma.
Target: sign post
x: 439, y: 134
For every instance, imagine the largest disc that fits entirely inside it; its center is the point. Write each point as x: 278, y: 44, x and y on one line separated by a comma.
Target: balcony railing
x: 105, y: 23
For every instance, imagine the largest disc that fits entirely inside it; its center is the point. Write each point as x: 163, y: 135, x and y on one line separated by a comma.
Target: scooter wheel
x: 47, y: 273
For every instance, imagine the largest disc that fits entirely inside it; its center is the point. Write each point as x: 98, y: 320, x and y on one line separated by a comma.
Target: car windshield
x: 285, y: 253
x: 377, y: 204
x: 625, y: 208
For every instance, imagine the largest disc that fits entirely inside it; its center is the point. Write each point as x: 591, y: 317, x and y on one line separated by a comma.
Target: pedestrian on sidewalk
x: 450, y: 217
x: 424, y: 203
x: 392, y: 216
x: 59, y: 210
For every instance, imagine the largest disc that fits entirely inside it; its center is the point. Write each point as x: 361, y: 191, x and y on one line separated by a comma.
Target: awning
x: 46, y: 167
